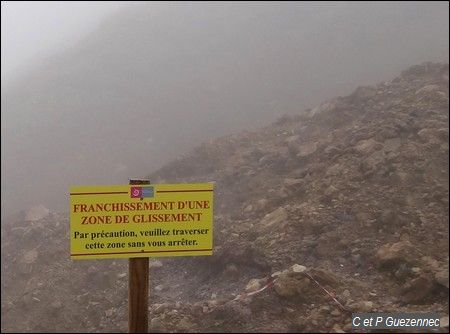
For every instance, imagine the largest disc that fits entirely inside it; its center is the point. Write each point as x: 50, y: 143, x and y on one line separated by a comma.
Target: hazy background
x: 98, y: 92
x: 34, y: 30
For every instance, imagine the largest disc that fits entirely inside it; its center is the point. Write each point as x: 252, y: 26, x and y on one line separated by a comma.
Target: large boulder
x: 391, y: 256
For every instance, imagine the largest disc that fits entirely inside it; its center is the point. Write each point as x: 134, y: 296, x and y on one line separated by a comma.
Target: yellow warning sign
x: 141, y: 220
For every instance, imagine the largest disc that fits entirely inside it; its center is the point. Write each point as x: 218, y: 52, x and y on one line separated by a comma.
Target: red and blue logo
x: 141, y: 192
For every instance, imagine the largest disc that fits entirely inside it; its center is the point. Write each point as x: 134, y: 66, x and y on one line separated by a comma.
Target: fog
x: 32, y: 31
x: 115, y: 91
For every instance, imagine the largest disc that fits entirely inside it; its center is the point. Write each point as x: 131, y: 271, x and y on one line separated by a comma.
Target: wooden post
x: 138, y: 289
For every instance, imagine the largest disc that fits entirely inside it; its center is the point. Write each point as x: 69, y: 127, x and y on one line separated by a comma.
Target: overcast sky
x: 32, y: 30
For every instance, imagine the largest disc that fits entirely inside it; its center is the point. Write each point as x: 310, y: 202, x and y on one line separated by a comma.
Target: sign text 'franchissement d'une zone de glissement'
x: 141, y: 220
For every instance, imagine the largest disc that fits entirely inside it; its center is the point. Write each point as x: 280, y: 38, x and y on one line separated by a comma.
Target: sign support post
x: 138, y: 274
x: 137, y: 221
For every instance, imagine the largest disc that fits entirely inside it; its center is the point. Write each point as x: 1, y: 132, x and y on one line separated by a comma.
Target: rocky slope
x: 341, y: 208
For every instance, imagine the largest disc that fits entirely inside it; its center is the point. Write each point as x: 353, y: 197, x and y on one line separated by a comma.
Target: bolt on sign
x: 128, y: 221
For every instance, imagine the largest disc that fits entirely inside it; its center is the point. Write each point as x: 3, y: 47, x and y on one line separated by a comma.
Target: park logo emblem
x: 141, y: 192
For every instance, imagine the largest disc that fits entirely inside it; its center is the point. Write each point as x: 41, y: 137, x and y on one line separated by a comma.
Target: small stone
x: 390, y: 256
x: 155, y: 264
x: 367, y: 306
x: 362, y: 306
x: 185, y: 325
x: 276, y: 217
x: 296, y: 268
x: 306, y: 150
x: 286, y: 286
x: 332, y: 150
x: 301, y: 324
x: 337, y: 329
x: 347, y: 327
x: 156, y: 323
x: 366, y: 147
x: 441, y: 277
x: 346, y: 294
x: 275, y: 274
x: 36, y: 213
x: 261, y: 204
x: 325, y: 276
x: 292, y: 183
x: 335, y: 313
x: 388, y: 218
x: 56, y: 305
x: 428, y: 135
x: 325, y: 309
x: 427, y: 89
x: 253, y: 285
x: 212, y: 303
x: 160, y: 288
x: 323, y: 108
x: 417, y: 289
x: 231, y: 272
x: 30, y: 256
x: 292, y: 143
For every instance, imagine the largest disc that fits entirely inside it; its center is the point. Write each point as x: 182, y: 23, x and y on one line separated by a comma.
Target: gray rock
x: 441, y: 277
x: 427, y: 89
x: 286, y: 286
x: 30, y: 256
x: 36, y: 213
x: 307, y: 149
x: 388, y: 217
x: 332, y: 150
x: 160, y: 288
x: 155, y: 264
x: 366, y: 147
x: 324, y: 107
x: 325, y: 276
x: 337, y: 329
x: 276, y: 217
x: 293, y: 183
x: 335, y: 313
x: 248, y: 208
x: 390, y: 256
x: 429, y: 136
x: 417, y: 290
x: 296, y: 268
x: 392, y: 145
x: 261, y: 204
x: 231, y: 272
x: 293, y: 142
x: 362, y: 306
x: 254, y: 284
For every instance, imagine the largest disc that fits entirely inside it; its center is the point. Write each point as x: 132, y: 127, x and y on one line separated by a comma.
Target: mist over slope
x: 156, y: 79
x: 352, y: 194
